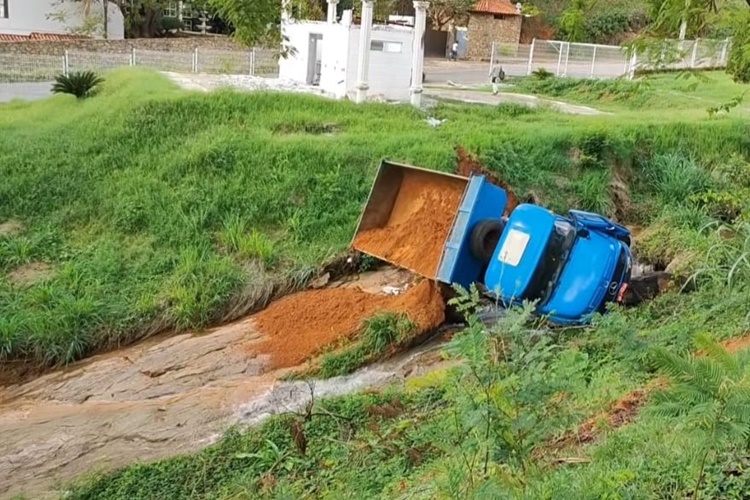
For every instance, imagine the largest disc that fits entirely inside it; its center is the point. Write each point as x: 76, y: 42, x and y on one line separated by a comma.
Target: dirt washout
x: 299, y: 325
x: 468, y: 165
x: 173, y: 394
x: 421, y: 220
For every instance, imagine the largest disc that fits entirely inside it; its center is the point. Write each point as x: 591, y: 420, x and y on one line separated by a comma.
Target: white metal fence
x: 22, y: 68
x: 584, y: 60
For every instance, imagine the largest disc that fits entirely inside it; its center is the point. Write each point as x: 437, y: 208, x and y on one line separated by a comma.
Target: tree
x: 253, y: 20
x: 573, y: 20
x: 142, y: 17
x: 701, y: 18
x: 444, y: 12
x: 90, y: 23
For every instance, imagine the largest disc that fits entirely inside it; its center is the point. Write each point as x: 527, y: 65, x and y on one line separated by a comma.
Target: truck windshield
x: 553, y: 260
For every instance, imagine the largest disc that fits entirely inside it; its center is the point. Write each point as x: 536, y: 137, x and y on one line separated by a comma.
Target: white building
x: 329, y: 54
x: 26, y: 18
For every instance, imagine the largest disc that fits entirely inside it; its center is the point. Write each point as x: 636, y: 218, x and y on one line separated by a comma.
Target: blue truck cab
x: 571, y: 266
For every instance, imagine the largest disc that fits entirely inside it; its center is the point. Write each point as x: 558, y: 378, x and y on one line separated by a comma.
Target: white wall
x: 27, y: 16
x: 334, y: 69
x: 390, y: 73
x: 294, y: 67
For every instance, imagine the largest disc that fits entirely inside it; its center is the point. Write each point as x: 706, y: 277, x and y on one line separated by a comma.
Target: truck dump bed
x: 421, y: 220
x: 409, y: 216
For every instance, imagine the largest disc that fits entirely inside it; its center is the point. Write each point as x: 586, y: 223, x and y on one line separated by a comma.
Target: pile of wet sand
x: 419, y: 225
x: 299, y: 325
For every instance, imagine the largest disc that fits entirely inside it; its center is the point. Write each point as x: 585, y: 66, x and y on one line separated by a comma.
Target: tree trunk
x: 105, y: 4
x: 683, y: 26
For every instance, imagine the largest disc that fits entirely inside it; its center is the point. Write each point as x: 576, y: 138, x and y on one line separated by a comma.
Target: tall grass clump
x: 677, y: 177
x: 378, y: 334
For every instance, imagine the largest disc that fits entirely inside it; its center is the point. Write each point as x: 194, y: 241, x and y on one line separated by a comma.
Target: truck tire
x: 484, y: 238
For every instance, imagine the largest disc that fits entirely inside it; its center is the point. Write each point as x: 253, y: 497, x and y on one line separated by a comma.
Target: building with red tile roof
x: 491, y: 21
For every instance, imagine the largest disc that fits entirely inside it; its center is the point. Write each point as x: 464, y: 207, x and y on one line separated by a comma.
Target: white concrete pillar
x: 285, y: 10
x: 332, y: 11
x: 365, y: 32
x: 417, y: 62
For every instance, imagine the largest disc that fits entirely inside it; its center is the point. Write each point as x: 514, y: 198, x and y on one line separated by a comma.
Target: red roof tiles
x: 495, y: 7
x: 50, y: 37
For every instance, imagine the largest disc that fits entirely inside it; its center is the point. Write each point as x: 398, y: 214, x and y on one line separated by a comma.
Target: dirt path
x: 168, y: 396
x: 475, y: 97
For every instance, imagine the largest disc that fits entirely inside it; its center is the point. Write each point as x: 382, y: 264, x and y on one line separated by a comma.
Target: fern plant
x: 711, y: 392
x: 81, y: 84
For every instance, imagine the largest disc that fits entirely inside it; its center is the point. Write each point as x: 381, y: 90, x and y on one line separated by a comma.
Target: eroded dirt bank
x: 168, y: 396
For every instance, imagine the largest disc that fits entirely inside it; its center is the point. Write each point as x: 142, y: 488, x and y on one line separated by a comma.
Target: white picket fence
x: 586, y: 60
x: 23, y: 68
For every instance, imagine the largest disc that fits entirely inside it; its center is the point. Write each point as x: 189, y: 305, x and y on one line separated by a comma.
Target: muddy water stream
x: 168, y: 396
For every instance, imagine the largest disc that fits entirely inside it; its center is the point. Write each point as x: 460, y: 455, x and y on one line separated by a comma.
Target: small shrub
x: 738, y: 64
x: 171, y: 24
x: 81, y: 84
x: 542, y: 74
x: 723, y: 205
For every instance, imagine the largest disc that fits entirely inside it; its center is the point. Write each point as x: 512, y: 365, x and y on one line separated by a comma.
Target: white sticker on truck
x: 513, y: 248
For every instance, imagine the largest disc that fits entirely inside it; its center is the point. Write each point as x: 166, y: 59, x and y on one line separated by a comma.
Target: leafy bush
x: 81, y: 84
x: 170, y: 24
x: 738, y: 64
x: 542, y: 74
x: 712, y: 391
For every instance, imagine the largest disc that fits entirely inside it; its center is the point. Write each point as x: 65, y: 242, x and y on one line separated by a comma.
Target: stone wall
x: 177, y: 44
x: 484, y: 29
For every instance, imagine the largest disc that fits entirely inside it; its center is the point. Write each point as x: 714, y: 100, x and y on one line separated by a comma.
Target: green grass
x: 686, y: 93
x: 413, y: 443
x: 162, y: 209
x: 158, y: 208
x: 379, y: 333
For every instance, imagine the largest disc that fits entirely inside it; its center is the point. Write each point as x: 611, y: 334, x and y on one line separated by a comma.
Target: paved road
x: 441, y: 71
x: 26, y: 91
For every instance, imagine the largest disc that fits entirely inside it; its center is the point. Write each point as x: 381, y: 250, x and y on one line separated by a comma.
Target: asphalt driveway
x: 25, y: 91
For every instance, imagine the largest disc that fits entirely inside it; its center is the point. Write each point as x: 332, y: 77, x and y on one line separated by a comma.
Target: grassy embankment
x: 685, y: 95
x: 149, y: 208
x: 503, y: 426
x: 153, y: 207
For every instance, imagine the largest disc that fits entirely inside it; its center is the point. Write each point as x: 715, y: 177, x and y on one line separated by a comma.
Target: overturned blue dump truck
x: 571, y: 266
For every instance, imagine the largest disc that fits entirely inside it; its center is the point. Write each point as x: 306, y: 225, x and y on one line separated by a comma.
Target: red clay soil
x: 624, y: 410
x: 299, y: 325
x: 737, y: 344
x: 620, y: 413
x: 468, y: 165
x: 419, y: 224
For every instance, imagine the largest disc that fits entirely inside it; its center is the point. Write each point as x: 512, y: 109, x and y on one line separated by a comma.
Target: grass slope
x: 685, y: 95
x: 157, y: 208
